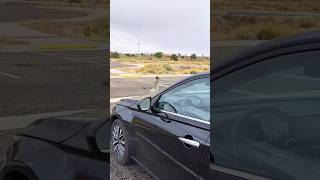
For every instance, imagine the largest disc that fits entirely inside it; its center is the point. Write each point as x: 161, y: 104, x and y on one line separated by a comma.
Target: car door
x: 172, y: 137
x: 266, y: 119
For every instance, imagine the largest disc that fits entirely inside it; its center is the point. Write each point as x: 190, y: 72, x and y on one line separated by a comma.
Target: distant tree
x: 174, y: 57
x: 115, y: 55
x: 129, y: 55
x: 193, y: 56
x: 158, y: 54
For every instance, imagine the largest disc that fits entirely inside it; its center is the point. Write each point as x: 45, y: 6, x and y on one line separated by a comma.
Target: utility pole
x: 138, y: 48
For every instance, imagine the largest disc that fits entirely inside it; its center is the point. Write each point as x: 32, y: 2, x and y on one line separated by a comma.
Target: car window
x: 267, y: 118
x: 191, y: 99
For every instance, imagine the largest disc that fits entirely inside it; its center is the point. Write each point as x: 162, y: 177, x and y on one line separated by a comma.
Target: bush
x: 308, y: 23
x: 193, y: 72
x: 174, y: 57
x: 129, y: 55
x: 243, y: 34
x: 268, y: 32
x: 158, y: 54
x: 193, y: 56
x: 155, y: 69
x: 115, y: 55
x: 167, y: 67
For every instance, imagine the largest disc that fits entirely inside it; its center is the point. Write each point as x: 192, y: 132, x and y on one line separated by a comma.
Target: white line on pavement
x: 9, y: 75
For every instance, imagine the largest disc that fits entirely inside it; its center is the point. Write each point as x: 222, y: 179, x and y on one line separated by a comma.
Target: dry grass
x: 66, y: 46
x: 167, y: 66
x: 103, y: 2
x: 171, y: 69
x: 260, y: 28
x: 263, y: 28
x: 4, y: 40
x: 271, y: 5
x: 97, y: 30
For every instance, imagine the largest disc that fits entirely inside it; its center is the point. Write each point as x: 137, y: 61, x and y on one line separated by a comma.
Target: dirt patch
x: 97, y: 30
x: 128, y: 172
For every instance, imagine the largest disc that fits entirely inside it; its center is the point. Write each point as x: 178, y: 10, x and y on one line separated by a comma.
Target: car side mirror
x: 145, y: 104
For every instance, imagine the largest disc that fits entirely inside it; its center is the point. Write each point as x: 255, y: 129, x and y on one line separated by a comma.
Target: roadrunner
x: 155, y: 88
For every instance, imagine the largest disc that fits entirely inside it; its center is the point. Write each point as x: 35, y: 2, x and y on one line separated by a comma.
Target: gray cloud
x: 170, y: 26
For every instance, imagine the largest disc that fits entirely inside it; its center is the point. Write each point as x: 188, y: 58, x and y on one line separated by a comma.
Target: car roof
x: 302, y: 38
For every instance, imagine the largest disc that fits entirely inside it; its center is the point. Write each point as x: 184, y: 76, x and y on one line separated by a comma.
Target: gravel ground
x: 128, y: 172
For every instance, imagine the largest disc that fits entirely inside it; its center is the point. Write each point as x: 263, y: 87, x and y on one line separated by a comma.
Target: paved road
x: 36, y: 82
x: 13, y: 12
x: 223, y: 50
x: 125, y: 87
x: 114, y: 64
x: 20, y: 11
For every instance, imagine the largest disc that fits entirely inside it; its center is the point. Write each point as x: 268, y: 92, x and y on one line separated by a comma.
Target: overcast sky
x: 170, y: 26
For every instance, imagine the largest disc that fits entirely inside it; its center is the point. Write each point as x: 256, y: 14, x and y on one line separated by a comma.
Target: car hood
x: 58, y: 129
x: 55, y: 129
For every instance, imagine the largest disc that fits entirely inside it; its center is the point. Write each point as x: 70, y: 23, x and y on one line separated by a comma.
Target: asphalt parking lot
x: 128, y: 87
x: 37, y: 82
x: 26, y: 11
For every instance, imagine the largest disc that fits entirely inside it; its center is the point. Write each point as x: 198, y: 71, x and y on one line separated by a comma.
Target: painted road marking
x: 9, y: 75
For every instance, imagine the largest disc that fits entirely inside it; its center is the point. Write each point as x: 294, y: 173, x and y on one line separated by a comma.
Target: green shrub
x: 268, y: 31
x: 167, y: 67
x: 307, y: 23
x: 243, y: 34
x: 193, y: 56
x: 115, y: 55
x: 193, y: 72
x: 158, y: 54
x: 174, y: 57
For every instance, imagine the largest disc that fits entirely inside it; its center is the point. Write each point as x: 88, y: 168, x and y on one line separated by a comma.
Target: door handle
x: 189, y: 142
x: 165, y: 119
